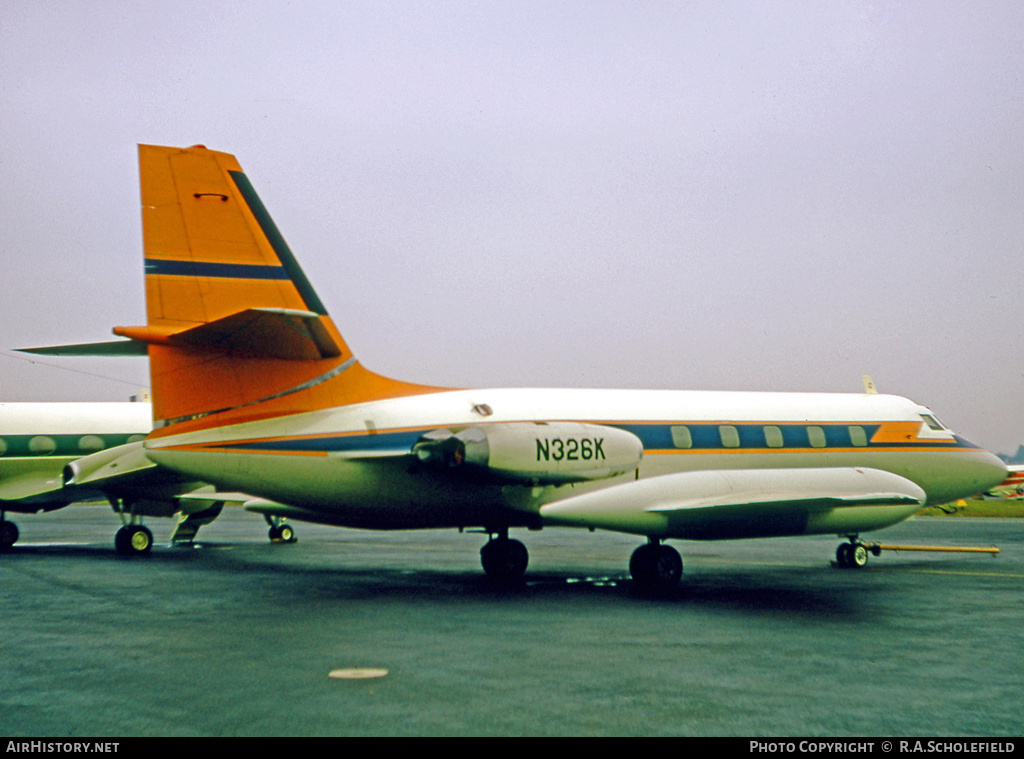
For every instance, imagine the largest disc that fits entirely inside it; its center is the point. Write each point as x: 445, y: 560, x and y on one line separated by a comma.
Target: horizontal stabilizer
x: 732, y: 503
x: 267, y: 333
x: 111, y: 348
x: 256, y: 332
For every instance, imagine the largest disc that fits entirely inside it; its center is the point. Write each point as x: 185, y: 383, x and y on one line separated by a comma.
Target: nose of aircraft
x: 988, y: 470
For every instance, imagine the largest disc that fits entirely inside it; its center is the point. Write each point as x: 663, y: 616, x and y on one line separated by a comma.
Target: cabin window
x: 91, y: 444
x: 3, y: 446
x: 730, y: 436
x: 681, y: 437
x: 816, y: 437
x: 42, y: 445
x: 858, y: 436
x: 773, y: 437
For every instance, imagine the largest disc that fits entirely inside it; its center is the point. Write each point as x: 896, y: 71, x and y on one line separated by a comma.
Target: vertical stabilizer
x: 234, y: 329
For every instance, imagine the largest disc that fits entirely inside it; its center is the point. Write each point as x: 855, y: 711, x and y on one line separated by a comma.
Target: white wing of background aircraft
x: 255, y: 390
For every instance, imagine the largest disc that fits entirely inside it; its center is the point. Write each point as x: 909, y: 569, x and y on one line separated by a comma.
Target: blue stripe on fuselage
x: 704, y: 436
x: 655, y: 436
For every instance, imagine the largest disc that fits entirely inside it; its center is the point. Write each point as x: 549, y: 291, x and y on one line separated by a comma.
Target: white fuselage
x: 352, y: 465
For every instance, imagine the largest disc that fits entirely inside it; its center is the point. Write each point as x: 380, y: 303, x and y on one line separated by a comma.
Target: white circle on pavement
x: 357, y: 673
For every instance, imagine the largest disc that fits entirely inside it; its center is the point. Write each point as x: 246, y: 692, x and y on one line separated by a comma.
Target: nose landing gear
x: 854, y: 554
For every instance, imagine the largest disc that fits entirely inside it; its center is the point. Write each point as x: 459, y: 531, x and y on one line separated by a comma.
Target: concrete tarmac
x: 237, y: 637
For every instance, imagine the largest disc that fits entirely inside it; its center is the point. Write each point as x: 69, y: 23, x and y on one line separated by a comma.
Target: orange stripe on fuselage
x: 905, y: 432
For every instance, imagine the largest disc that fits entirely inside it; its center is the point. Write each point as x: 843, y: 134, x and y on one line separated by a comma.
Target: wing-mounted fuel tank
x: 533, y: 453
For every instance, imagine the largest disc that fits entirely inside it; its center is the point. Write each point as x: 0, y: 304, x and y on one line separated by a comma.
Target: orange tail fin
x: 234, y: 330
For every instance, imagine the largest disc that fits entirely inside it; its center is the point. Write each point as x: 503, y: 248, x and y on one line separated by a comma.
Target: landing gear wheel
x: 656, y: 567
x: 843, y: 555
x: 852, y: 555
x: 8, y: 534
x: 121, y: 541
x: 133, y: 540
x: 282, y: 533
x: 504, y: 560
x: 858, y: 556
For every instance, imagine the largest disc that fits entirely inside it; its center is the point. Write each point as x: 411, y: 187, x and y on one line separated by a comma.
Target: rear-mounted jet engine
x: 533, y: 453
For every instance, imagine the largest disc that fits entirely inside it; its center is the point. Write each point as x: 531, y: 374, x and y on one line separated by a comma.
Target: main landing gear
x: 8, y: 533
x: 656, y: 567
x: 133, y: 540
x: 504, y: 559
x: 854, y: 554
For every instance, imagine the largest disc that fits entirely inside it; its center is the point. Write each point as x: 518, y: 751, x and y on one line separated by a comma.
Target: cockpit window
x: 933, y: 423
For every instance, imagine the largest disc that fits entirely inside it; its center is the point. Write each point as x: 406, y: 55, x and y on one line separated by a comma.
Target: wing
x: 125, y: 473
x: 739, y: 503
x: 29, y: 492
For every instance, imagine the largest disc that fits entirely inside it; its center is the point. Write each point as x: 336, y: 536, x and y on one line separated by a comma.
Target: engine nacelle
x: 534, y: 453
x: 106, y: 467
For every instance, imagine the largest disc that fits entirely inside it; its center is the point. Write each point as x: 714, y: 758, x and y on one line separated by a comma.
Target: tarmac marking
x: 966, y: 574
x: 357, y: 673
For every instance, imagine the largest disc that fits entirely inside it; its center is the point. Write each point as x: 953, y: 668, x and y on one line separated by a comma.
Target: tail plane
x: 234, y: 329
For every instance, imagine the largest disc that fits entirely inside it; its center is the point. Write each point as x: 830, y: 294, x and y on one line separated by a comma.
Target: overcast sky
x: 695, y: 195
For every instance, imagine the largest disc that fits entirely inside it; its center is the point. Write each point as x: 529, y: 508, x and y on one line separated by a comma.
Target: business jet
x: 255, y: 390
x: 44, y: 445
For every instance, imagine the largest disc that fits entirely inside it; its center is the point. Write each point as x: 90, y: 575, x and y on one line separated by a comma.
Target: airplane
x: 1012, y: 488
x: 37, y: 440
x: 42, y: 445
x: 255, y: 390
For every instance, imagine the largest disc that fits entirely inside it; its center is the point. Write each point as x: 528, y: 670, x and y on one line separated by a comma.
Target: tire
x: 641, y: 564
x: 843, y: 555
x: 504, y: 560
x: 858, y: 555
x: 656, y: 568
x: 8, y: 535
x: 121, y: 542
